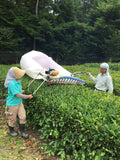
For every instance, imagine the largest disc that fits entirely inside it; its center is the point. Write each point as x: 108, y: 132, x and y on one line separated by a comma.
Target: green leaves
x: 76, y: 121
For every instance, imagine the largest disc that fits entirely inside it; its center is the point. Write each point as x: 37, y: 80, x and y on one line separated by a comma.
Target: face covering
x: 10, y: 77
x: 106, y: 66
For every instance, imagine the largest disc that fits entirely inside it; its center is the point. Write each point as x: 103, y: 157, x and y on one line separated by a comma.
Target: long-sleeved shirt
x: 103, y: 82
x: 23, y: 96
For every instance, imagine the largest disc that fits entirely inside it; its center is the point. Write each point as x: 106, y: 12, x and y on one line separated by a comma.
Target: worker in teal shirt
x: 14, y: 88
x: 14, y: 101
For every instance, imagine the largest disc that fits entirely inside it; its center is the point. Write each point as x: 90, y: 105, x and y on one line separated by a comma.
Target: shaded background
x: 70, y: 31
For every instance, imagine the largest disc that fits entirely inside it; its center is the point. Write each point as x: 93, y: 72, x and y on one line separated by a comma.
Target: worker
x: 103, y: 81
x: 14, y: 101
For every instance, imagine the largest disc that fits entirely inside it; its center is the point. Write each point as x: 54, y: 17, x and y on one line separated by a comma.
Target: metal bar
x: 75, y: 74
x: 32, y: 81
x: 39, y: 87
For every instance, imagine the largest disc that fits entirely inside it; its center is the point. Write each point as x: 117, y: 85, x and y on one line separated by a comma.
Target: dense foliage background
x: 71, y: 31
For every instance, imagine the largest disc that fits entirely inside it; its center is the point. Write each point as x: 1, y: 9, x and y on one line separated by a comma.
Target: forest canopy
x: 70, y: 31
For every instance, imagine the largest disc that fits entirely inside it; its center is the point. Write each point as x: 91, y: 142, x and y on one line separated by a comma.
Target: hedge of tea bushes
x: 77, y: 122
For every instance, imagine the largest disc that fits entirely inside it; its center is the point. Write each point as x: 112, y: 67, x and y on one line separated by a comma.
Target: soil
x: 32, y: 150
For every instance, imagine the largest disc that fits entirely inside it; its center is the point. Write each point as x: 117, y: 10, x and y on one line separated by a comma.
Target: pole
x: 39, y: 87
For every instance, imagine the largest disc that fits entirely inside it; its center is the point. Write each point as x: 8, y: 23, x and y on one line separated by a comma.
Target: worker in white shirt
x: 103, y: 81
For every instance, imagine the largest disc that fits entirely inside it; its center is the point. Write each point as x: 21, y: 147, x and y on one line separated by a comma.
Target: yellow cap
x: 19, y: 73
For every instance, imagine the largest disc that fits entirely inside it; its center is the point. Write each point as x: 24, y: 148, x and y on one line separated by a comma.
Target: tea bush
x: 76, y: 121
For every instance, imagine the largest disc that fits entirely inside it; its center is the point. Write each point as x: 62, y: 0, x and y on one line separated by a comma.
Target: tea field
x: 77, y: 122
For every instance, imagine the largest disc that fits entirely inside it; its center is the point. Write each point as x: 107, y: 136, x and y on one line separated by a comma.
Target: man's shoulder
x: 12, y: 83
x: 99, y: 75
x: 109, y: 77
x: 105, y: 76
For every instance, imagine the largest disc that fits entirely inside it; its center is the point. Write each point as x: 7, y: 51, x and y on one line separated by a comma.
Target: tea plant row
x: 76, y: 121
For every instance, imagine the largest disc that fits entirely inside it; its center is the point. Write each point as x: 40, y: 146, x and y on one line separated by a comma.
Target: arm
x: 110, y: 85
x: 14, y: 90
x: 92, y: 78
x: 23, y: 96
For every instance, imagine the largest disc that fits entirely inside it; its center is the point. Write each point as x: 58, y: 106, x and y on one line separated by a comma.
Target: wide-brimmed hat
x: 19, y: 73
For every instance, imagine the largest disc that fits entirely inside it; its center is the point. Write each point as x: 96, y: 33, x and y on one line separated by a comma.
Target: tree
x: 71, y: 31
x: 105, y: 22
